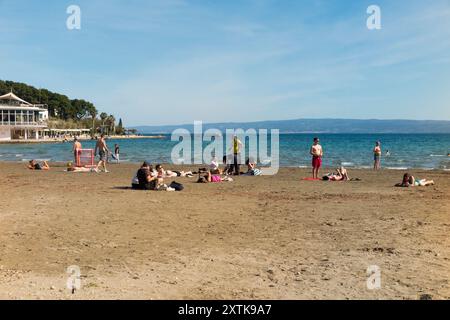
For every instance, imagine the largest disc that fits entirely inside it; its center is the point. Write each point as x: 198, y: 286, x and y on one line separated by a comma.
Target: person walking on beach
x: 377, y: 156
x: 76, y: 149
x: 317, y: 153
x: 102, y: 152
x: 237, y: 145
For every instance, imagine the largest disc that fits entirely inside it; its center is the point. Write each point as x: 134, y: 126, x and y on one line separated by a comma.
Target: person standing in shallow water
x: 377, y: 156
x: 317, y: 153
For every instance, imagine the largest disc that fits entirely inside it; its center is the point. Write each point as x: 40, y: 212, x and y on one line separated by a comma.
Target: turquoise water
x: 428, y: 151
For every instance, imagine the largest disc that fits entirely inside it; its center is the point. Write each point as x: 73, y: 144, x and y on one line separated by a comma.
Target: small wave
x: 19, y: 155
x: 348, y: 164
x: 397, y: 168
x: 303, y: 167
x: 437, y: 155
x: 39, y: 160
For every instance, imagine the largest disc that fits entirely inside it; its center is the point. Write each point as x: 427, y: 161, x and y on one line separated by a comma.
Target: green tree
x: 111, y: 120
x: 119, y: 128
x: 74, y: 113
x: 93, y: 117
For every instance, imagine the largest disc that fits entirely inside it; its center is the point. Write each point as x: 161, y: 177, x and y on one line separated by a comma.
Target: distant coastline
x: 319, y: 126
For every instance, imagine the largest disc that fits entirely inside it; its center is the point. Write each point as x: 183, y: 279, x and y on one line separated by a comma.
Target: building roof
x: 12, y: 96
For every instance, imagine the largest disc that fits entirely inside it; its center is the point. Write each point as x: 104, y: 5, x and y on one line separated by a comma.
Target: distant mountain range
x: 319, y: 126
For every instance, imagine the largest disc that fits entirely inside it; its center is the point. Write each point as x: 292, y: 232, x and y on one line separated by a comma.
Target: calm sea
x: 428, y: 151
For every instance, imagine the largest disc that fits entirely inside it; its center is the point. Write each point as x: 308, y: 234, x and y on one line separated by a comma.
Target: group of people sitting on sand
x: 149, y: 178
x: 152, y: 178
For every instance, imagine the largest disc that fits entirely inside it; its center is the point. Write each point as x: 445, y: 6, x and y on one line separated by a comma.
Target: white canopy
x: 12, y: 96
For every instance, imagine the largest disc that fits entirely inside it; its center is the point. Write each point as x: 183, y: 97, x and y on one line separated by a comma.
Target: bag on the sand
x: 177, y: 186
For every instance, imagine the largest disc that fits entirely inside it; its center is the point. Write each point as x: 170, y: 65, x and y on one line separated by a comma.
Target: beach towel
x: 311, y: 179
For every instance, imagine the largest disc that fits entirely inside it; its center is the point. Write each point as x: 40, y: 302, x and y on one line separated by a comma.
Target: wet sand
x: 271, y: 237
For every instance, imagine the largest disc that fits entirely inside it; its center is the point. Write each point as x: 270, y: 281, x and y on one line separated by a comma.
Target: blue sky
x: 176, y: 61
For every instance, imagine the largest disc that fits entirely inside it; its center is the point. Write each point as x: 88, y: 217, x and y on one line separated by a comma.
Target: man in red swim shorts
x: 317, y: 153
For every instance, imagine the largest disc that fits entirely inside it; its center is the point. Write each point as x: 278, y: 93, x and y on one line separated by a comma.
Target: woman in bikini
x: 411, y: 181
x: 340, y: 175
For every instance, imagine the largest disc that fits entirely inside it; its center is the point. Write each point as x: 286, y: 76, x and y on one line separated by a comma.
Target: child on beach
x: 116, y: 155
x: 377, y: 156
x: 317, y: 153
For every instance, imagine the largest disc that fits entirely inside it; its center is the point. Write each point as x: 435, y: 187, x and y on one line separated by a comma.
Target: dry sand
x: 255, y: 238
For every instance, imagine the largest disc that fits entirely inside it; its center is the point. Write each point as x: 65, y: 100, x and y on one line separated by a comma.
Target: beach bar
x: 20, y: 119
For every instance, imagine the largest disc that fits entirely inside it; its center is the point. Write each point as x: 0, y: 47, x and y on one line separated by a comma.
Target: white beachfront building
x: 20, y: 119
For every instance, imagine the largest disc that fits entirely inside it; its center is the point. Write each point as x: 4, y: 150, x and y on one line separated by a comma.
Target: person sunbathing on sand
x: 33, y: 165
x: 251, y: 168
x: 162, y: 173
x: 213, y: 178
x: 72, y: 168
x: 411, y: 181
x: 340, y: 175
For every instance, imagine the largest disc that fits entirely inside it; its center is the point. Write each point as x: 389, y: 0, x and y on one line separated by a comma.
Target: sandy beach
x: 273, y: 237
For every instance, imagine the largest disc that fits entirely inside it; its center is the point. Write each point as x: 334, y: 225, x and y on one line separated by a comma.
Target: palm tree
x: 103, y: 117
x: 94, y: 116
x: 112, y: 124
